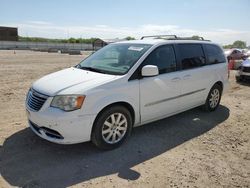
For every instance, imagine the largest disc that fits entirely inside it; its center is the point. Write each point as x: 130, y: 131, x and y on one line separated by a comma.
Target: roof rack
x: 160, y: 37
x: 173, y: 37
x: 190, y: 38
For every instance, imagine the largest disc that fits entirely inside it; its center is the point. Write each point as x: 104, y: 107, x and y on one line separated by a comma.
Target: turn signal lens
x: 79, y: 101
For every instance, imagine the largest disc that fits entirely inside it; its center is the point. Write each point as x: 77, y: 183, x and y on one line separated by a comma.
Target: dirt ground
x: 192, y: 149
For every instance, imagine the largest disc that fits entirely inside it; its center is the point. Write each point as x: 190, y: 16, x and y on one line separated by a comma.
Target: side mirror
x: 149, y: 70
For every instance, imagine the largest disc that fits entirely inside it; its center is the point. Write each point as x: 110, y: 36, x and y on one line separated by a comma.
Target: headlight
x: 67, y: 102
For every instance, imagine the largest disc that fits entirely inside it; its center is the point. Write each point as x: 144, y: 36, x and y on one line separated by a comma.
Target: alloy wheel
x: 214, y: 98
x: 114, y: 128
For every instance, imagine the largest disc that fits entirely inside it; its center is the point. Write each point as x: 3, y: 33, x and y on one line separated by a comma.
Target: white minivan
x: 124, y: 85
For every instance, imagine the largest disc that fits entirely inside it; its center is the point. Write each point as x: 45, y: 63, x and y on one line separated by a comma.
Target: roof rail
x: 160, y: 37
x: 189, y: 38
x: 173, y: 37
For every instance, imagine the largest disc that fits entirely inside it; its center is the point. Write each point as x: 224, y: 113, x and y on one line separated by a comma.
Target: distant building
x: 8, y: 34
x: 99, y: 43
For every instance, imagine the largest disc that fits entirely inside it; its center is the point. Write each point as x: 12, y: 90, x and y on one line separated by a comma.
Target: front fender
x: 103, y: 102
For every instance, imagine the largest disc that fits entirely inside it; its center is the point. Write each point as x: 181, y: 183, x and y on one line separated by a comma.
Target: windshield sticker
x: 134, y: 48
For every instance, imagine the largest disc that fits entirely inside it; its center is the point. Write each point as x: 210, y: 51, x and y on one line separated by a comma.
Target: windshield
x: 114, y: 59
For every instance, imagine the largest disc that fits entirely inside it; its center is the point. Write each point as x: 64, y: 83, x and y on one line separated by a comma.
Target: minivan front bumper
x: 61, y: 127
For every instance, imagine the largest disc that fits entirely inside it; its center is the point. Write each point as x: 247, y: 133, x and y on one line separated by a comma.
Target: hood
x: 70, y: 81
x: 246, y: 63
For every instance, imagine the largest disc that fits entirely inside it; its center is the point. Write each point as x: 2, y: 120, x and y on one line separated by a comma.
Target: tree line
x: 236, y: 44
x: 70, y: 40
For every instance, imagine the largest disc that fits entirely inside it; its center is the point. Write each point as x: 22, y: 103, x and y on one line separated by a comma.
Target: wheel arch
x: 128, y: 106
x: 220, y: 84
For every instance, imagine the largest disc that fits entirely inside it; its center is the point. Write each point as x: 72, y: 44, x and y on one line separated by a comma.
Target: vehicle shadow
x: 28, y: 161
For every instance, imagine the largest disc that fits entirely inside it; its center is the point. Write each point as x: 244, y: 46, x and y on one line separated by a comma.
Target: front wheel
x: 111, y: 127
x: 213, y: 98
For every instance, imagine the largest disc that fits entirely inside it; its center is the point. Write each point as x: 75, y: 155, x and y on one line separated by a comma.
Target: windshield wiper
x: 92, y: 69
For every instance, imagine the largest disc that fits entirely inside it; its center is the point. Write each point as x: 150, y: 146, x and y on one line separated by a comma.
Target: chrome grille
x: 35, y: 100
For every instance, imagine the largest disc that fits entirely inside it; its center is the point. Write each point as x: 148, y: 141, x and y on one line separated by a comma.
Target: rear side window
x: 163, y: 57
x: 214, y: 54
x: 191, y: 55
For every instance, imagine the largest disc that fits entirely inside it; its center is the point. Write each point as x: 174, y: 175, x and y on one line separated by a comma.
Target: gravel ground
x: 192, y: 149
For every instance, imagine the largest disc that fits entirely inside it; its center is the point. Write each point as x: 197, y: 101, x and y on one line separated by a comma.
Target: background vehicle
x: 243, y: 71
x: 247, y: 52
x: 235, y: 54
x: 126, y: 84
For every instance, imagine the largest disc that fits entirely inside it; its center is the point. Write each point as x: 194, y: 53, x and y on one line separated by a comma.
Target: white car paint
x: 152, y: 98
x: 70, y: 80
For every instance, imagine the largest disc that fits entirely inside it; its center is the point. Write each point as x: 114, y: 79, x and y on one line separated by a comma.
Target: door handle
x: 176, y: 79
x: 186, y: 76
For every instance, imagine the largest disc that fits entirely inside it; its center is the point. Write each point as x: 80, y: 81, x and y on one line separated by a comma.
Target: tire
x: 107, y: 133
x: 213, y: 98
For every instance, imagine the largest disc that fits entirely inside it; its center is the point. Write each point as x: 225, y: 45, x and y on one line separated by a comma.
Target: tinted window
x: 163, y: 57
x: 191, y: 56
x: 214, y: 54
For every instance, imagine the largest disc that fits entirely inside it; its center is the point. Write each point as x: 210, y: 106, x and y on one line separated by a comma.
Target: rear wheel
x: 213, y: 98
x: 111, y: 127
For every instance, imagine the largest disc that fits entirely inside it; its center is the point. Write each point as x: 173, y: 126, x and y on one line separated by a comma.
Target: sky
x: 222, y: 21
